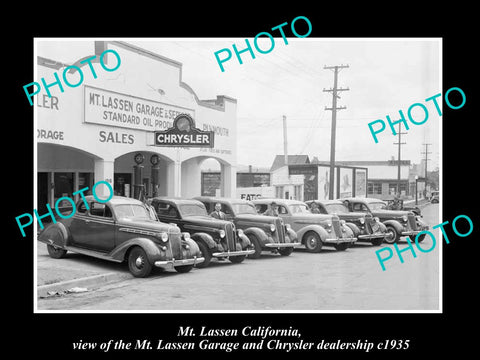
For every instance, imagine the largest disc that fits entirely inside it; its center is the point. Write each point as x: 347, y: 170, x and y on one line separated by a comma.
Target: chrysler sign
x: 183, y: 133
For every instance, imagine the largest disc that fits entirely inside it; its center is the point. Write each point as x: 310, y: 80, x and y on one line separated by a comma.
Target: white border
x: 35, y: 243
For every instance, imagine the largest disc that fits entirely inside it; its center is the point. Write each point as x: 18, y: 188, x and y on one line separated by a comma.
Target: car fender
x: 259, y: 233
x: 244, y: 241
x: 292, y: 235
x: 382, y: 227
x: 56, y: 234
x: 206, y: 238
x: 315, y: 228
x: 150, y: 247
x: 193, y: 250
x: 355, y: 229
x: 395, y: 224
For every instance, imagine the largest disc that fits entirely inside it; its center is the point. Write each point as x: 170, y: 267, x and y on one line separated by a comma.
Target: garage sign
x: 183, y: 133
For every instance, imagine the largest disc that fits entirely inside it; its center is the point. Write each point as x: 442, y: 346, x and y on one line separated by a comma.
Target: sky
x: 385, y: 75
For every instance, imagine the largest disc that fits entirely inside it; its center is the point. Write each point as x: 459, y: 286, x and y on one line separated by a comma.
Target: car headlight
x: 240, y: 232
x: 329, y: 224
x: 288, y: 226
x: 404, y: 218
x: 186, y: 235
x: 362, y: 221
x: 272, y: 227
x: 376, y: 218
x: 163, y: 236
x: 222, y: 233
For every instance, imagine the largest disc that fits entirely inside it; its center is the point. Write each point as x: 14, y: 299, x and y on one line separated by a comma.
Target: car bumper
x: 233, y: 253
x: 411, y: 232
x: 171, y: 264
x: 370, y: 236
x: 281, y: 245
x: 335, y: 241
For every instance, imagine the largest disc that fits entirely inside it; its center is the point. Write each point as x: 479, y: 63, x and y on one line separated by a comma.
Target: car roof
x: 326, y: 202
x: 278, y: 201
x: 363, y: 199
x: 212, y: 199
x: 177, y: 200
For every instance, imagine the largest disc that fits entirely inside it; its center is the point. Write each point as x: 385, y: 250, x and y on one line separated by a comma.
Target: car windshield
x: 242, y: 208
x: 192, y: 209
x: 377, y: 206
x: 299, y: 209
x: 133, y: 211
x: 336, y: 208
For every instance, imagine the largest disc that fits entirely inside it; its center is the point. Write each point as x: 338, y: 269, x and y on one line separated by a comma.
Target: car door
x: 96, y: 230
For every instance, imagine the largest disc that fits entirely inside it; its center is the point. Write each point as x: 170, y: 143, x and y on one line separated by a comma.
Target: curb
x: 42, y: 291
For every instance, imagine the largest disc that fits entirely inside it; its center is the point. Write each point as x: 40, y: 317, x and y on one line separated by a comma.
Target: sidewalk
x: 74, y: 271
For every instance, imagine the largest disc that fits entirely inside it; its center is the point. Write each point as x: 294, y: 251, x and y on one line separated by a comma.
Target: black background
x: 430, y: 334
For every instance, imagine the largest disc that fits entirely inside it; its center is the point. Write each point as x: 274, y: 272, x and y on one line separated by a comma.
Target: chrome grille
x: 175, y: 240
x: 230, y: 235
x: 368, y: 223
x: 412, y: 221
x: 336, y: 227
x: 280, y: 230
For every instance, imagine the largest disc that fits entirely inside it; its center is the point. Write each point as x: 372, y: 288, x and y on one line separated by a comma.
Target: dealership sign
x: 183, y: 133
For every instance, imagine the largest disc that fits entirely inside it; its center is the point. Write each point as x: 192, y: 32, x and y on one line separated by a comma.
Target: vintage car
x: 397, y: 204
x: 398, y: 222
x: 435, y: 198
x: 215, y: 238
x: 122, y: 229
x: 365, y: 227
x: 265, y: 232
x: 313, y: 230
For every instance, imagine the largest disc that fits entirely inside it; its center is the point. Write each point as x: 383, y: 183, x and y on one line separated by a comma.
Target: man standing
x: 315, y: 209
x: 272, y: 210
x: 218, y: 213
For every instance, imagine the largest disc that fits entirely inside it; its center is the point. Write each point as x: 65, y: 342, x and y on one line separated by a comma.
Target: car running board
x: 91, y: 253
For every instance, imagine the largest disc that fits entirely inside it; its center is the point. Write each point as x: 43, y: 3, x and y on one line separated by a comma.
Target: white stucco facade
x: 92, y: 132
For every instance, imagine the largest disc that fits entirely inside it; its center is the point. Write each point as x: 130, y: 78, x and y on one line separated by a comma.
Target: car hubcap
x: 312, y: 242
x: 390, y: 235
x: 139, y: 262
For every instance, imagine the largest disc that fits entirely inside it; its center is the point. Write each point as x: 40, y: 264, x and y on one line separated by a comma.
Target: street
x: 330, y: 280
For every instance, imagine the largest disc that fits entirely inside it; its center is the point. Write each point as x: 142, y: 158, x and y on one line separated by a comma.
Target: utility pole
x: 334, y: 109
x: 426, y: 152
x: 399, y: 153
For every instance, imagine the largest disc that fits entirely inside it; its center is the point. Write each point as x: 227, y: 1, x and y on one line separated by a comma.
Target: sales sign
x: 183, y: 133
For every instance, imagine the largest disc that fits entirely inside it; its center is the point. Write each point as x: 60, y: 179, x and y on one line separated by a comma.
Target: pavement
x: 76, y: 272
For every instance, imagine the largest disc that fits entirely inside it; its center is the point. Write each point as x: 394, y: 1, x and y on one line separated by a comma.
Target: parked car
x: 313, y: 230
x: 365, y: 227
x: 398, y: 222
x: 434, y: 199
x: 215, y: 238
x: 265, y: 232
x: 122, y: 229
x: 397, y: 204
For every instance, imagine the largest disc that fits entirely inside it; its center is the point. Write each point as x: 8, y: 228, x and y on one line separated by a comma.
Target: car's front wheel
x: 56, y: 253
x: 138, y: 263
x: 285, y: 251
x: 205, y: 254
x: 420, y: 238
x: 312, y: 242
x: 256, y: 246
x: 391, y: 235
x: 183, y: 268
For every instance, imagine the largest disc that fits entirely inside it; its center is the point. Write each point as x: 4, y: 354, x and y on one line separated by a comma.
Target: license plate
x: 375, y: 227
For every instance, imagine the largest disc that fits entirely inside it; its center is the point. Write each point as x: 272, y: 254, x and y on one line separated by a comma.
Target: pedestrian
x: 272, y: 210
x: 315, y: 209
x: 218, y: 213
